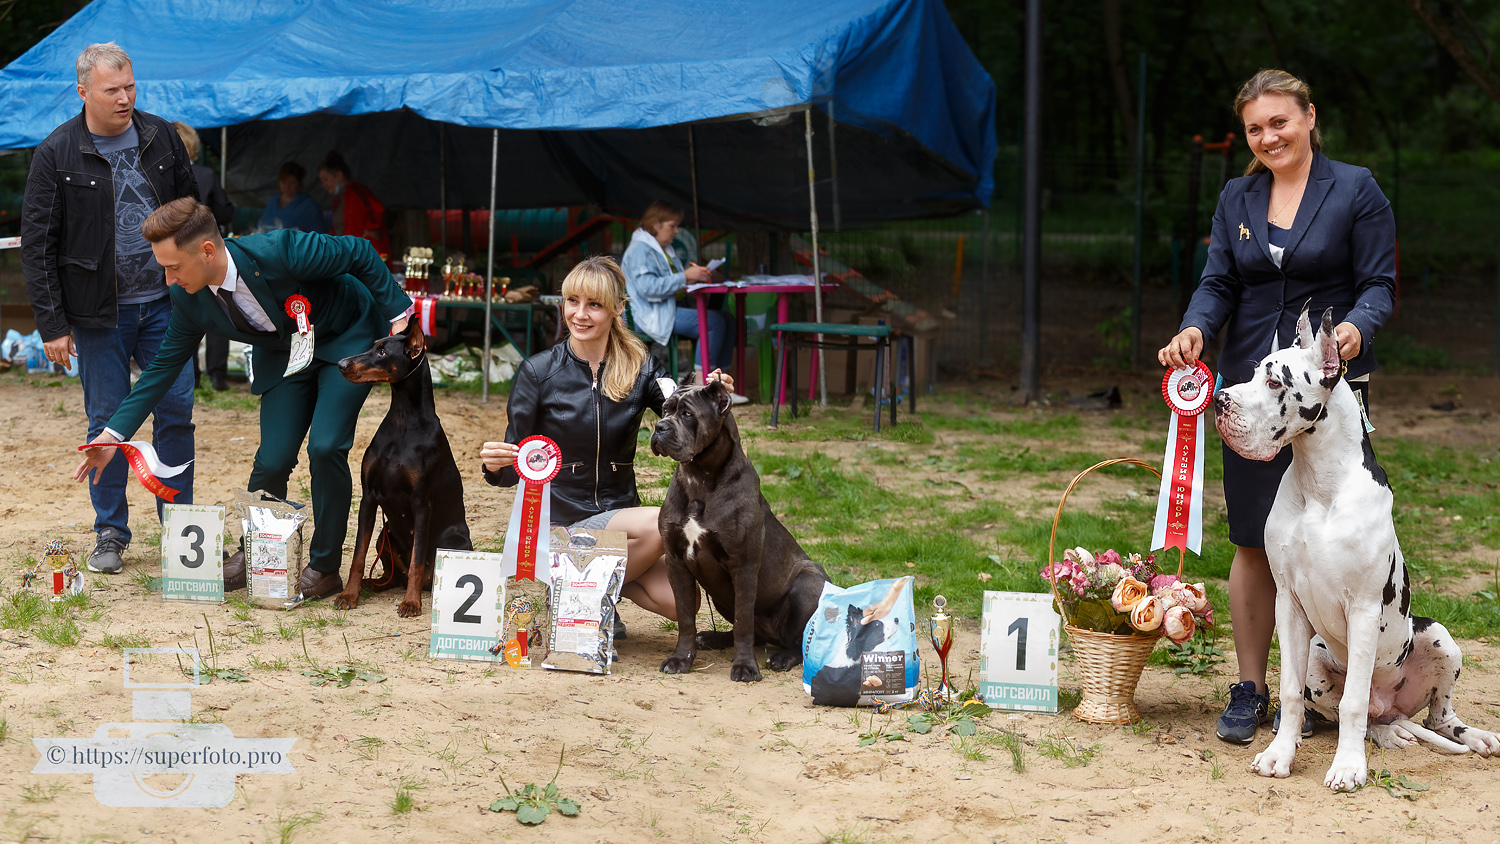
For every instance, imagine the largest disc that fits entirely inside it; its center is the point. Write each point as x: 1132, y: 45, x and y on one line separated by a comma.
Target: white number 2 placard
x: 468, y: 590
x: 1018, y: 651
x: 192, y: 553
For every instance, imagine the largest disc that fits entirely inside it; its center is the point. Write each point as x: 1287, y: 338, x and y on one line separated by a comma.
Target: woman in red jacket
x: 356, y: 211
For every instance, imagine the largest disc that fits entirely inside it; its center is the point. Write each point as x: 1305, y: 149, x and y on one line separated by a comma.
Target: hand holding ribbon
x: 1179, y: 503
x: 143, y: 460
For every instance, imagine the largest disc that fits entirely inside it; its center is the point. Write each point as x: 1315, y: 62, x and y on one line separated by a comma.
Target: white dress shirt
x: 242, y: 297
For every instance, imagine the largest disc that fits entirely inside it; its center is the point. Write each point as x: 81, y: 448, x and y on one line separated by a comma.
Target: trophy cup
x: 940, y: 633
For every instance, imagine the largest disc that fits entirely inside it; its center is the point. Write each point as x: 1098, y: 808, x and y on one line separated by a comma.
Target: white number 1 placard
x: 192, y: 553
x: 1018, y: 651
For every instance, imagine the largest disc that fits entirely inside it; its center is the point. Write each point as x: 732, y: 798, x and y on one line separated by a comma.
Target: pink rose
x: 1128, y: 593
x: 1080, y: 581
x: 1110, y: 557
x: 1163, y: 581
x: 1059, y: 571
x: 1147, y: 615
x: 1193, y: 597
x: 1179, y: 625
x: 1079, y: 555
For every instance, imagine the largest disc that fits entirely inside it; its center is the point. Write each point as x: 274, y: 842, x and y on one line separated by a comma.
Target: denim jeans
x: 104, y: 368
x: 686, y: 325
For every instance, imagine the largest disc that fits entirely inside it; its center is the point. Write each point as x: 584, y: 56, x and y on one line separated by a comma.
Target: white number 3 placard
x: 192, y: 553
x: 1018, y: 651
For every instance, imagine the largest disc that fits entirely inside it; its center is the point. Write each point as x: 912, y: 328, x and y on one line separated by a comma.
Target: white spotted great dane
x: 1343, y: 598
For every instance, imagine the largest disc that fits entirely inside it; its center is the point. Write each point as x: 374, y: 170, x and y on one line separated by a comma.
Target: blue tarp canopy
x: 591, y: 97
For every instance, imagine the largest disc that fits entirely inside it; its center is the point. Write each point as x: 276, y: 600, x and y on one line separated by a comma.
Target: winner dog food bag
x: 588, y: 570
x: 273, y: 548
x: 860, y: 647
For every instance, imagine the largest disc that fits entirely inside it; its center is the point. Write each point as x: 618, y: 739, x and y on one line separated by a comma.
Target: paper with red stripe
x: 147, y: 466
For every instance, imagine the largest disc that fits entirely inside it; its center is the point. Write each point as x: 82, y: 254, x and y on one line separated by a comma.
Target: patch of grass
x: 21, y: 609
x: 853, y: 835
x: 368, y: 747
x: 1067, y: 750
x: 238, y: 607
x: 62, y: 632
x: 234, y: 398
x: 286, y: 827
x: 42, y: 793
x: 1037, y: 425
x: 122, y: 640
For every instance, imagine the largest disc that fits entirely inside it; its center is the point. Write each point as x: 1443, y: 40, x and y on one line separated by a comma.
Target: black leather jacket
x: 68, y: 220
x: 555, y: 395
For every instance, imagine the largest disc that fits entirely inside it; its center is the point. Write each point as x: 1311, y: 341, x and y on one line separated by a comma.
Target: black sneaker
x: 620, y: 629
x: 1307, y: 723
x: 107, y: 550
x: 1244, y: 714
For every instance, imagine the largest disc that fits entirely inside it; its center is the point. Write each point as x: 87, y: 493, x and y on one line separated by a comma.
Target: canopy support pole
x: 1031, y: 249
x: 833, y: 168
x: 224, y: 159
x: 812, y: 195
x: 693, y: 166
x: 443, y: 190
x: 489, y: 269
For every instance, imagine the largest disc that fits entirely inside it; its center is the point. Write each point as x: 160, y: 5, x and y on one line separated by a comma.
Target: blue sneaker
x: 1244, y: 714
x: 1307, y: 723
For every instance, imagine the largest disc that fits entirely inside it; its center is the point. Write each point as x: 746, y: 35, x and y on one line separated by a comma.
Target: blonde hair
x: 189, y: 137
x: 1272, y: 81
x: 599, y: 278
x: 109, y: 53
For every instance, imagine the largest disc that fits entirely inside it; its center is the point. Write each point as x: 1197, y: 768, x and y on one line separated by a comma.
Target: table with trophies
x: 457, y: 289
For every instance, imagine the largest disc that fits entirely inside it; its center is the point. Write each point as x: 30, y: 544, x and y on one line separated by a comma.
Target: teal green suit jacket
x: 353, y: 298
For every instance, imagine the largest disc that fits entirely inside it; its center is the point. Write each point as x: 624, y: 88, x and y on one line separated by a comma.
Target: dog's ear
x: 416, y: 341
x: 1328, y: 345
x: 718, y: 394
x: 1304, y: 328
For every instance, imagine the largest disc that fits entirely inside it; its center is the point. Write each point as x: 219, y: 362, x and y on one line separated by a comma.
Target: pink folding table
x: 782, y: 292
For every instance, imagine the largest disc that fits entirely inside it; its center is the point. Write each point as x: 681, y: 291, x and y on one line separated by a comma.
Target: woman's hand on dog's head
x: 496, y: 456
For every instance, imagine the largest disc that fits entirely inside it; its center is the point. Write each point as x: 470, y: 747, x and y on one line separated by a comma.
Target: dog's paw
x: 1346, y: 774
x: 715, y: 640
x: 675, y: 664
x: 1275, y: 761
x: 784, y: 660
x: 744, y: 672
x: 1391, y: 736
x: 409, y: 608
x: 345, y: 601
x: 1482, y: 742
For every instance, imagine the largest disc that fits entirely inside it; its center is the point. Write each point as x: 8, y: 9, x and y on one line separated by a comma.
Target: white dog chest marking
x: 692, y: 530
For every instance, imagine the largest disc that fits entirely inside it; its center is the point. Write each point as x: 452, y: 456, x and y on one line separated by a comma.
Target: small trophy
x: 940, y: 633
x: 66, y: 579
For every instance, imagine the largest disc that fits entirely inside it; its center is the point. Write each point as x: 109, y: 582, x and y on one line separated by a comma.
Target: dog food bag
x: 860, y: 647
x: 273, y: 548
x: 588, y: 569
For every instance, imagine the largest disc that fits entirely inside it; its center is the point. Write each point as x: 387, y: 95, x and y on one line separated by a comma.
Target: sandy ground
x: 691, y: 758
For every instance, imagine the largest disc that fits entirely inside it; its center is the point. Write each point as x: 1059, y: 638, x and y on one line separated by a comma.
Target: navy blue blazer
x: 1340, y: 254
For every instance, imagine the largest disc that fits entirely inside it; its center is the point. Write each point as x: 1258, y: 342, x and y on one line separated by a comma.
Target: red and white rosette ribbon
x: 427, y: 314
x: 147, y: 466
x: 538, y: 461
x: 1179, y: 504
x: 299, y: 309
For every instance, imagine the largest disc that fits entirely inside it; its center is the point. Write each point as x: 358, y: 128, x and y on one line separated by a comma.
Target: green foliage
x: 532, y: 804
x: 1397, y: 786
x: 1198, y: 655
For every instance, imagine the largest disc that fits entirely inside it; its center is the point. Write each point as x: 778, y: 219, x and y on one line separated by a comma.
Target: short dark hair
x: 293, y: 169
x: 333, y: 162
x: 186, y: 221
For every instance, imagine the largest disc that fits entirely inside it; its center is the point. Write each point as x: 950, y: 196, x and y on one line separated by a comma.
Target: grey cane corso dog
x: 721, y: 534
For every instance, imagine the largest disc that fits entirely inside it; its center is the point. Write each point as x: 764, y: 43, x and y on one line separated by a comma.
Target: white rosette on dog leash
x: 1179, y: 502
x: 538, y: 460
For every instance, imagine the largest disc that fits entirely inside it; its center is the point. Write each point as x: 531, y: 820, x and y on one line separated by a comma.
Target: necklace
x: 1295, y: 196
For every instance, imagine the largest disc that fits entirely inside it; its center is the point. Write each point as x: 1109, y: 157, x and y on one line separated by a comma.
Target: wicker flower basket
x: 1110, y: 664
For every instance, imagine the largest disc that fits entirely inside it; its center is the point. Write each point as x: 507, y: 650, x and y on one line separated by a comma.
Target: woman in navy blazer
x: 1296, y: 229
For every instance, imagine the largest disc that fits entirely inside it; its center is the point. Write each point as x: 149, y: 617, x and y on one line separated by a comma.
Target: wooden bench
x: 791, y: 336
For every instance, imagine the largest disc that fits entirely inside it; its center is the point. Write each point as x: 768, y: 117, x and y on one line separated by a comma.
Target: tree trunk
x: 1428, y: 13
x: 1114, y: 47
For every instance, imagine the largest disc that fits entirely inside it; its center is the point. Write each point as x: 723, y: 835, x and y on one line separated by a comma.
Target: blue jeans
x: 685, y: 324
x: 104, y: 368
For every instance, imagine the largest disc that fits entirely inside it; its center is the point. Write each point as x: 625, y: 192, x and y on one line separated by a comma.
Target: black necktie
x: 237, y: 316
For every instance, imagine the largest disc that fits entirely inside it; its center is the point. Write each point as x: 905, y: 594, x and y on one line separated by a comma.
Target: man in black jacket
x: 96, y: 289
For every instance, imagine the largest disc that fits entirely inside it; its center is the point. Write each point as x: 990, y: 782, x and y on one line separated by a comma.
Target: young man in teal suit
x: 241, y: 289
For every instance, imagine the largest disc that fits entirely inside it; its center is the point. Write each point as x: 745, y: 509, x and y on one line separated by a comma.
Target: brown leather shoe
x: 315, y: 584
x: 234, y: 571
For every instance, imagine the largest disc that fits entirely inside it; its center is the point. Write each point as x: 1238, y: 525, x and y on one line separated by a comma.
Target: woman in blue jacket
x: 1296, y: 229
x: 654, y: 274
